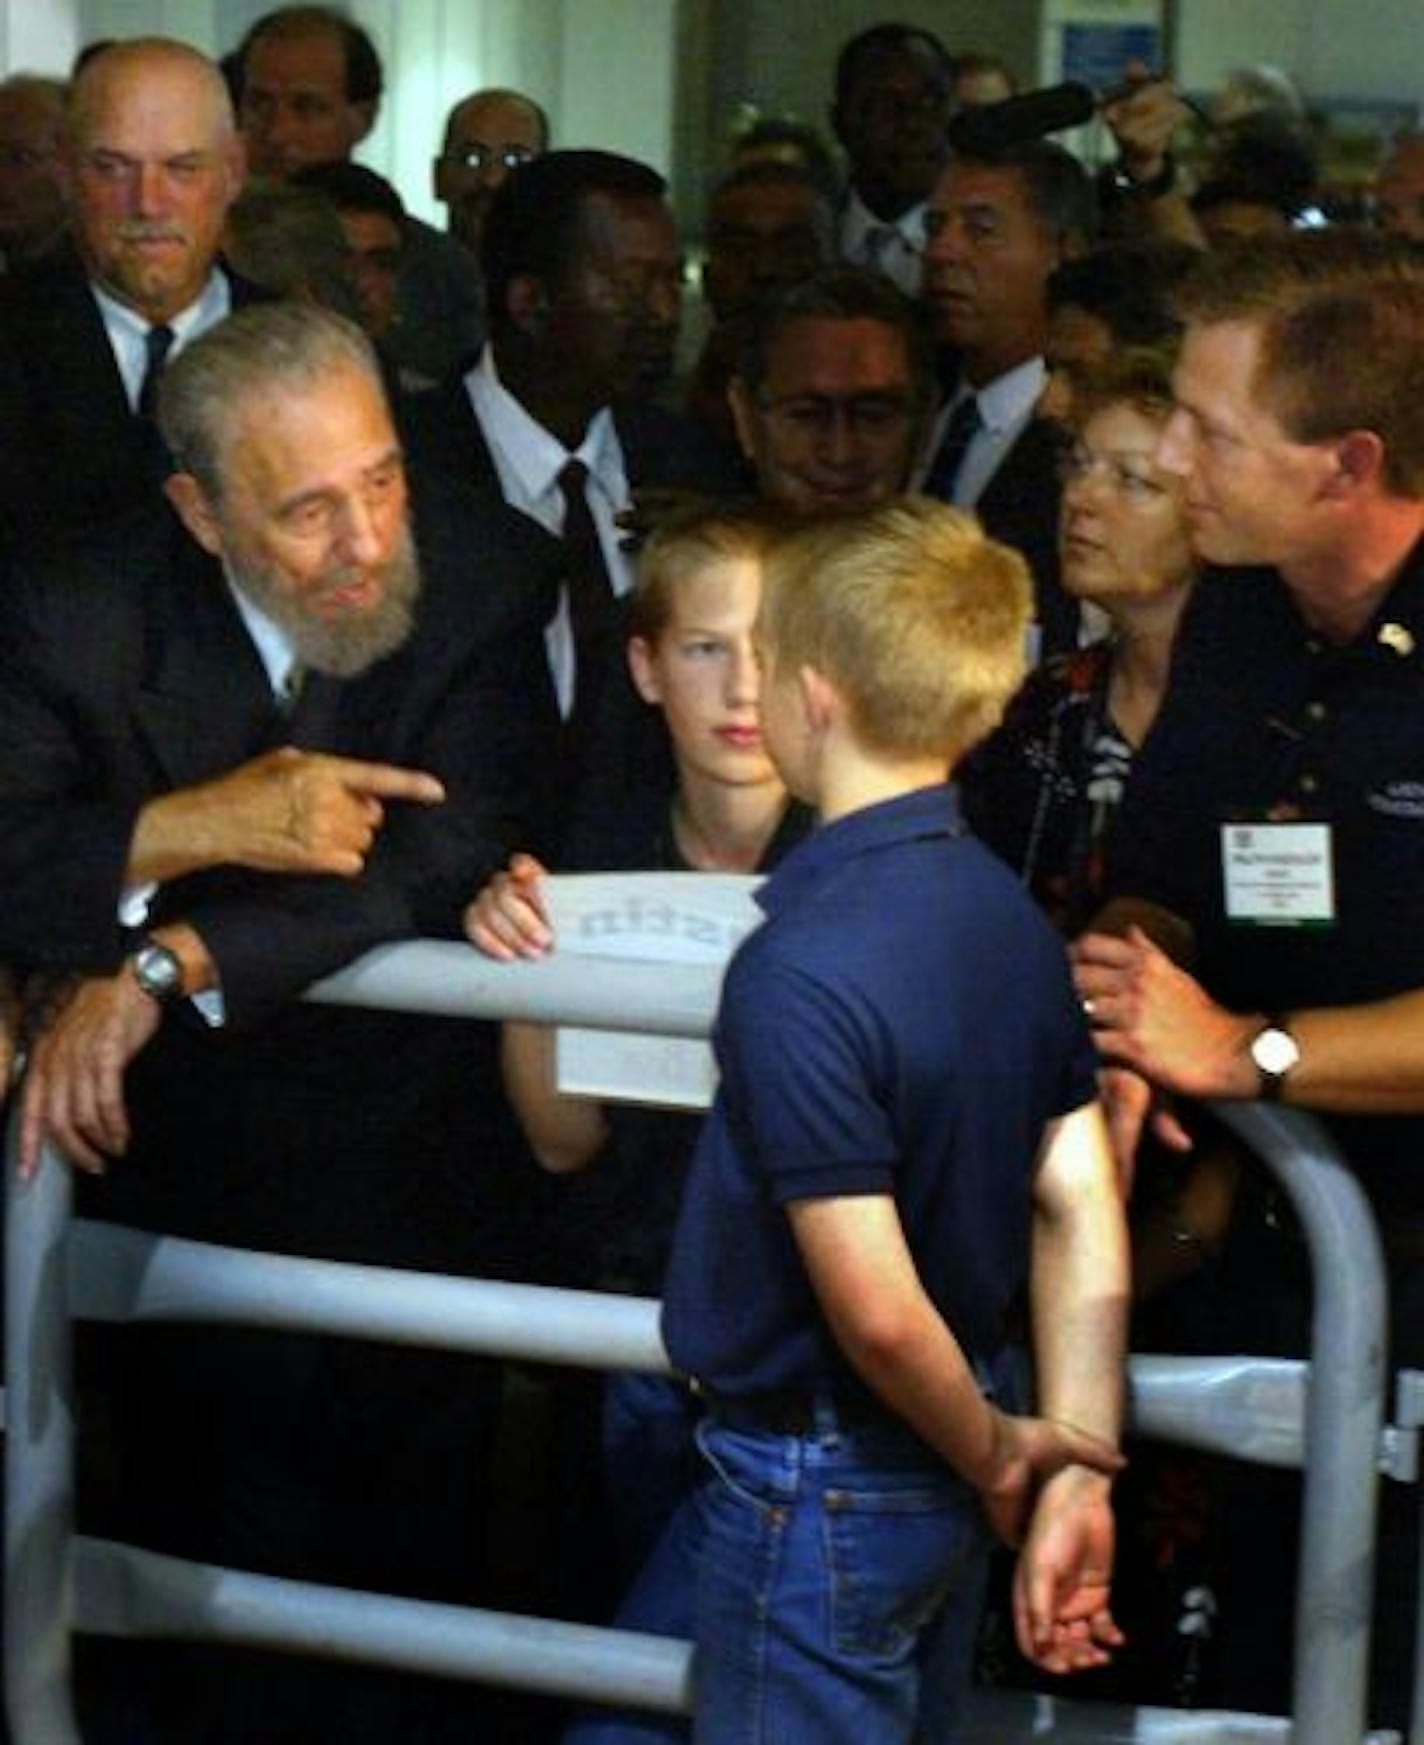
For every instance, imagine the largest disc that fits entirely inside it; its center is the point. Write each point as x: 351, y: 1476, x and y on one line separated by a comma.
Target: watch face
x: 158, y: 972
x: 1275, y: 1052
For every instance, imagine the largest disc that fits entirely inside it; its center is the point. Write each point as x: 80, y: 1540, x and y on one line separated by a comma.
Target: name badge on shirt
x: 1278, y: 875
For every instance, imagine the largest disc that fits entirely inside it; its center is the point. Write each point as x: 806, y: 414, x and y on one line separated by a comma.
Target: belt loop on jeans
x: 825, y: 1416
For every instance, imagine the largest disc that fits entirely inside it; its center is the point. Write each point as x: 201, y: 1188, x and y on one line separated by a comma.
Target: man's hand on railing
x: 74, y: 1084
x: 508, y: 919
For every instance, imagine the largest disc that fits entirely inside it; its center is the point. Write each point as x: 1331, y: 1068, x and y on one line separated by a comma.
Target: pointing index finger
x: 388, y: 781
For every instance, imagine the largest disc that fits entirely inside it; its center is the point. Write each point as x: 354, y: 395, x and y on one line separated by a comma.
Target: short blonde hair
x: 684, y: 544
x: 912, y: 612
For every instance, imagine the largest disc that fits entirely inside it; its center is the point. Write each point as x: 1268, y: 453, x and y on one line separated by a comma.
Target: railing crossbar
x: 1329, y: 1414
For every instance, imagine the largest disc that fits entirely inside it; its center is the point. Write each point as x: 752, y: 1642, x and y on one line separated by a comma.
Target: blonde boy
x: 905, y: 1136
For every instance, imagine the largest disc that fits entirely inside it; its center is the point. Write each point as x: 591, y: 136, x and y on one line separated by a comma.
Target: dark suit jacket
x: 124, y: 673
x: 87, y: 461
x: 1019, y: 506
x: 661, y: 450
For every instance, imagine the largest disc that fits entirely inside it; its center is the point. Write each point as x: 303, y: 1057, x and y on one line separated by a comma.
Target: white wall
x: 663, y: 79
x: 779, y: 55
x: 437, y: 51
x: 1371, y: 49
x: 620, y: 59
x: 38, y: 36
x: 604, y: 69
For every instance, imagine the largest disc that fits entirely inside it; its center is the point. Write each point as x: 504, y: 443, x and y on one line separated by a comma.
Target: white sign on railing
x: 683, y: 918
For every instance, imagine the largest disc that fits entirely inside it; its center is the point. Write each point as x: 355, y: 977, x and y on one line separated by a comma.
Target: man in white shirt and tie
x: 892, y: 106
x: 151, y: 163
x: 999, y: 224
x: 584, y: 272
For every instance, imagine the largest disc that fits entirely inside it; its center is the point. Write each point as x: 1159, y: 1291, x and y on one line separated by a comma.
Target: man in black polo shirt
x: 1276, y: 817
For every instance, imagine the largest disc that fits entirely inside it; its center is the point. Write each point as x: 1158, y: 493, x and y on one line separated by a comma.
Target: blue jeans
x: 650, y: 1460
x: 832, y: 1584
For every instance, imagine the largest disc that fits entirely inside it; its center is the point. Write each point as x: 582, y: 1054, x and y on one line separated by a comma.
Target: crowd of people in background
x: 356, y: 575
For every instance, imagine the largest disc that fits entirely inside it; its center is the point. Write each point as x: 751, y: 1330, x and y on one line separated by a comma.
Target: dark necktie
x: 157, y: 342
x: 964, y: 425
x: 289, y: 692
x: 881, y: 243
x: 590, y: 588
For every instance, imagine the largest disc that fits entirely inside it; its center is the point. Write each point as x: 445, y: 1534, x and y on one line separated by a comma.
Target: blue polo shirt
x: 903, y: 1023
x: 1266, y: 720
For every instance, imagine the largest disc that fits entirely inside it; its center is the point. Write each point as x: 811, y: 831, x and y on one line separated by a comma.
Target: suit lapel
x: 316, y: 721
x: 206, y: 705
x: 82, y: 383
x: 1027, y: 472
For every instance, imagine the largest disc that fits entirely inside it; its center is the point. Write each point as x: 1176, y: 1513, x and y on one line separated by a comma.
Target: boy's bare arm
x: 1079, y: 1275
x: 564, y: 1133
x: 864, y: 1276
x: 1080, y: 1289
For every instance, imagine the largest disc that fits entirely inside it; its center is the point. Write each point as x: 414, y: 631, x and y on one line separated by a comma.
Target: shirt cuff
x: 211, y: 1007
x: 134, y: 904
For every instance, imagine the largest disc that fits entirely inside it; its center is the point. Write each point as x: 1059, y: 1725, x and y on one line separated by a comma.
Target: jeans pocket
x: 751, y: 1466
x: 894, y: 1555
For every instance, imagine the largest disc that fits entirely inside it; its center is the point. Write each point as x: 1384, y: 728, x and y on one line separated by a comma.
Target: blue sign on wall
x: 1096, y: 54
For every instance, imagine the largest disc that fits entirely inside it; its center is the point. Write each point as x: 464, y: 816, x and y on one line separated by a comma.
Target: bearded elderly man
x: 150, y: 162
x: 234, y: 754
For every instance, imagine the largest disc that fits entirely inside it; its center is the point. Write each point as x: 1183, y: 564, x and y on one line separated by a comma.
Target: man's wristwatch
x: 159, y: 972
x: 1155, y: 187
x: 1274, y: 1052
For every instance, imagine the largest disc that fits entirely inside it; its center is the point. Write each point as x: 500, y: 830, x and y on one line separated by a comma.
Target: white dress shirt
x: 128, y: 330
x: 895, y: 248
x: 1005, y: 406
x: 528, y: 460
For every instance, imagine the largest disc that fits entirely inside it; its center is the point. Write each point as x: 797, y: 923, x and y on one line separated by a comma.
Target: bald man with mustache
x: 151, y: 161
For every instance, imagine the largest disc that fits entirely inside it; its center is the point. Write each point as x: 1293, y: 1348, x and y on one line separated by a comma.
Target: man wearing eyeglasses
x: 488, y: 135
x: 310, y: 84
x: 833, y: 391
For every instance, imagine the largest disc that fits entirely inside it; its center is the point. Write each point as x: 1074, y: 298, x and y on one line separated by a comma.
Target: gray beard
x: 344, y: 647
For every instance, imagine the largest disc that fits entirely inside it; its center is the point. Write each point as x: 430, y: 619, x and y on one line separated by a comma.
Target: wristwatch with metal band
x: 159, y: 972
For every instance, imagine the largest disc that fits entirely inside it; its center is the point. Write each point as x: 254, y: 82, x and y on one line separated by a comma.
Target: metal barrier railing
x: 1327, y: 1416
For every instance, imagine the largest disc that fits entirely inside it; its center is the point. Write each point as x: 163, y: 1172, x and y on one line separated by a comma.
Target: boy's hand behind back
x: 1062, y: 1585
x: 1027, y: 1453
